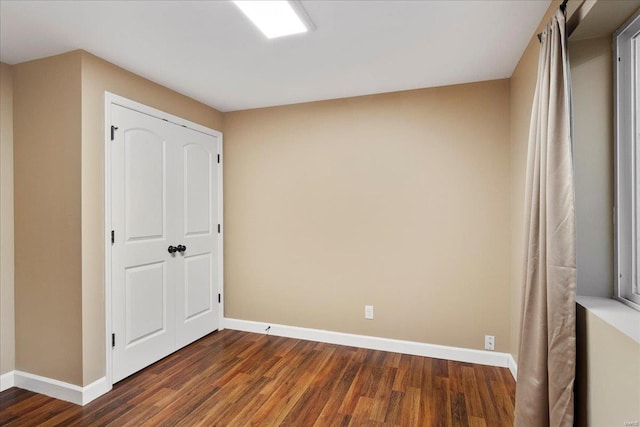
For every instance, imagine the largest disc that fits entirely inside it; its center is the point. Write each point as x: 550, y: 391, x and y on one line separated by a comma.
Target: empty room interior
x: 402, y: 213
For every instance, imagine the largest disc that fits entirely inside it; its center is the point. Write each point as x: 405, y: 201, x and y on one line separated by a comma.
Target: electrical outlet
x: 368, y: 312
x: 489, y: 342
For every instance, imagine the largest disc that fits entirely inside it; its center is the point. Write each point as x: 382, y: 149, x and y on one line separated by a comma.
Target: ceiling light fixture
x: 276, y: 18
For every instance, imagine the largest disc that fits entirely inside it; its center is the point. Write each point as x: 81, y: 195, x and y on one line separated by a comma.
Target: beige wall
x: 592, y: 86
x: 523, y: 85
x: 397, y: 200
x: 48, y: 293
x: 7, y: 319
x: 99, y: 76
x: 608, y: 373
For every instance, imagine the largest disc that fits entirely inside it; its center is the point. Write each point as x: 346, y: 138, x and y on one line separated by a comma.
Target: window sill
x: 618, y: 315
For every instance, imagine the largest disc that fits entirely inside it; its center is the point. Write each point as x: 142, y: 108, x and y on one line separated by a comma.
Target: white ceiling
x: 209, y: 51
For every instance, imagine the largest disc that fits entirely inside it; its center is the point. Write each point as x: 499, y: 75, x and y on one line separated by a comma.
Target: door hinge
x: 219, y: 298
x: 218, y: 228
x: 113, y: 132
x: 113, y: 340
x: 113, y: 236
x: 218, y: 158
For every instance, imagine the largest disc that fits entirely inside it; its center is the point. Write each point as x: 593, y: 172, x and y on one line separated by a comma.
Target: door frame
x: 113, y: 99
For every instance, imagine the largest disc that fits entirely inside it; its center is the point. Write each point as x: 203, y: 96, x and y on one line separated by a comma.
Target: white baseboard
x: 60, y: 389
x: 513, y: 367
x: 6, y: 381
x: 95, y: 390
x: 458, y: 354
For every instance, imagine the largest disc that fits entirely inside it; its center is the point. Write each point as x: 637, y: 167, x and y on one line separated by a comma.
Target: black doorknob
x: 172, y: 249
x: 181, y: 248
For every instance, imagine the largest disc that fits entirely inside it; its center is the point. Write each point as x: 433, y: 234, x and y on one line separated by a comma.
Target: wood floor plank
x: 343, y: 378
x: 362, y: 411
x: 308, y: 408
x: 458, y: 410
x: 442, y: 414
x: 288, y: 394
x: 477, y: 422
x: 382, y: 396
x: 410, y: 413
x: 416, y: 375
x: 489, y: 405
x: 427, y: 400
x: 401, y: 381
x: 359, y: 383
x: 394, y: 408
x: 232, y: 378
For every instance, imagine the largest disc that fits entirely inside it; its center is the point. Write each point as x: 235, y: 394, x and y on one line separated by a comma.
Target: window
x: 627, y: 128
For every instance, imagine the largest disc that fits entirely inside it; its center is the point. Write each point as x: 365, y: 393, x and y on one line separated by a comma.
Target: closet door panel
x: 143, y: 273
x: 197, y: 309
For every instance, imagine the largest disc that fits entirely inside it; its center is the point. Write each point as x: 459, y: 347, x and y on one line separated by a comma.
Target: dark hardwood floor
x: 232, y: 378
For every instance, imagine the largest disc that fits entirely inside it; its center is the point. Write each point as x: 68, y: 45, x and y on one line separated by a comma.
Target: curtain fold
x: 546, y: 362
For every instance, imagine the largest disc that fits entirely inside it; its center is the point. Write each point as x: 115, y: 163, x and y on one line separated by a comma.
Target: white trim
x: 625, y: 219
x: 220, y: 236
x: 6, y: 380
x: 109, y: 99
x: 48, y: 386
x: 618, y: 315
x: 60, y: 389
x: 458, y: 354
x: 513, y: 367
x: 95, y: 390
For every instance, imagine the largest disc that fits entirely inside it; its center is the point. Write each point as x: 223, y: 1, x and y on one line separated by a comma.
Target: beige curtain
x: 546, y: 360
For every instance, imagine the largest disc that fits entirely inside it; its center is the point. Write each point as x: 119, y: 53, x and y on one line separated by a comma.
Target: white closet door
x: 164, y: 194
x: 143, y: 275
x: 197, y: 300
